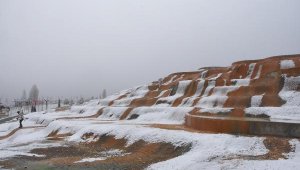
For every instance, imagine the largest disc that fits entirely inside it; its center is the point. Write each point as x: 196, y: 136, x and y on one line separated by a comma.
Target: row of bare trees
x: 32, y: 100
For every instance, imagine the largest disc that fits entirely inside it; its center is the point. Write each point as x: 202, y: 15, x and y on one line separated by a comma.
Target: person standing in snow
x: 20, y: 118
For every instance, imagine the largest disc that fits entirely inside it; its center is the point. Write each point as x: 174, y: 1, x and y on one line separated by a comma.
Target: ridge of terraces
x: 266, y: 90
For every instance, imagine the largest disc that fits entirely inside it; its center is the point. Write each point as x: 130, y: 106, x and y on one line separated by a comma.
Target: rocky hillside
x: 263, y: 90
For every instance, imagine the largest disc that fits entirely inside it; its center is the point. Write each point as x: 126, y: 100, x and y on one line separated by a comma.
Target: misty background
x: 80, y: 47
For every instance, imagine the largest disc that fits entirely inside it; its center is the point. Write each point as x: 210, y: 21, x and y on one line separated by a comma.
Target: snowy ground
x: 208, y: 151
x: 26, y: 109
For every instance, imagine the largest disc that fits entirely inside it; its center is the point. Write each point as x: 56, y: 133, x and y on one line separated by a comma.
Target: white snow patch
x: 217, y: 98
x: 240, y: 82
x: 216, y: 110
x: 223, y: 90
x: 179, y: 92
x: 182, y: 86
x: 75, y: 111
x: 108, y: 99
x: 216, y: 77
x: 113, y: 153
x: 91, y: 159
x: 287, y: 64
x: 211, y: 84
x: 171, y: 80
x: 135, y: 93
x: 293, y: 161
x: 169, y: 115
x: 256, y: 100
x: 212, y: 101
x: 258, y: 72
x: 203, y: 74
x: 199, y: 87
x: 275, y: 113
x: 204, y: 147
x: 112, y: 113
x: 23, y: 141
x: 161, y: 93
x: 134, y: 133
x: 6, y: 128
x: 289, y: 91
x: 250, y: 70
x: 190, y: 100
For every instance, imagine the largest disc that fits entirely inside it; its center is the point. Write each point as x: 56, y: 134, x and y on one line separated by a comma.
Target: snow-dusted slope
x: 259, y: 88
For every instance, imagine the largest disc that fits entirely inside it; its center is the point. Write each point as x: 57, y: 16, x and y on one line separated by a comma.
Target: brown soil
x: 144, y: 101
x: 139, y: 155
x: 17, y: 129
x: 126, y: 113
x: 55, y: 136
x: 278, y: 148
x: 121, y: 97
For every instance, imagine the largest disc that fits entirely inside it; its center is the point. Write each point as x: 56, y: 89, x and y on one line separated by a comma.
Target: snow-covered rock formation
x: 266, y: 90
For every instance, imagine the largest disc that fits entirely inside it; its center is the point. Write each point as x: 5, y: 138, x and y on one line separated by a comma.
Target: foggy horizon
x: 78, y: 48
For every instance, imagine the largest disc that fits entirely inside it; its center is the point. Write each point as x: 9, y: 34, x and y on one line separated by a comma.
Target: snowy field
x: 208, y: 151
x: 39, y: 108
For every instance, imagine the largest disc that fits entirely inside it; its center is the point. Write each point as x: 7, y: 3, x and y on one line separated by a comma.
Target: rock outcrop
x: 260, y: 97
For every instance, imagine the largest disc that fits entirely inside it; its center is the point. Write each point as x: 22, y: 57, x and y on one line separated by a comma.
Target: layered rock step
x: 259, y: 97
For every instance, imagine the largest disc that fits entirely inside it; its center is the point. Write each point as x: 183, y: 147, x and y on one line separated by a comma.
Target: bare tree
x: 104, y: 93
x: 71, y: 102
x: 34, y: 93
x: 80, y: 101
x: 33, y: 97
x: 66, y: 101
x: 24, y: 95
x: 58, y: 103
x: 46, y: 102
x: 24, y: 102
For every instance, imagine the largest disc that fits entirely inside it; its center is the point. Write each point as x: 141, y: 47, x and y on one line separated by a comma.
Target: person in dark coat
x: 20, y: 118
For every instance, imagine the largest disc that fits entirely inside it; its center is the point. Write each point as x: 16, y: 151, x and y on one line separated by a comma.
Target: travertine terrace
x: 251, y: 97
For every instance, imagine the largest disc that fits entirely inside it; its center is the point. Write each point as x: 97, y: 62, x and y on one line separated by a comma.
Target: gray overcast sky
x: 79, y: 47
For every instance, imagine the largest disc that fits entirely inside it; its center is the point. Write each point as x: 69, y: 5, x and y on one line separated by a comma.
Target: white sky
x: 78, y: 47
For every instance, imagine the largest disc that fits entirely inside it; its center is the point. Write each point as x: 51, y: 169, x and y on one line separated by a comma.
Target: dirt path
x: 17, y: 129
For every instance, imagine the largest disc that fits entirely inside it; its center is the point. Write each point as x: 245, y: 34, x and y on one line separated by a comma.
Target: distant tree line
x: 31, y: 101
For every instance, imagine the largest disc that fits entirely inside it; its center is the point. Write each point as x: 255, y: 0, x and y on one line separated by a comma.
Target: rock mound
x: 247, y: 97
